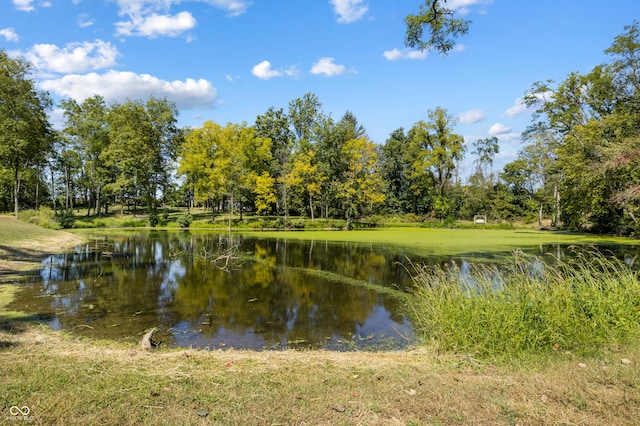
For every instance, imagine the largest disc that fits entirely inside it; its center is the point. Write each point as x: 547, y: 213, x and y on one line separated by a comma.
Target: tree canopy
x: 25, y: 132
x: 579, y: 166
x: 441, y: 24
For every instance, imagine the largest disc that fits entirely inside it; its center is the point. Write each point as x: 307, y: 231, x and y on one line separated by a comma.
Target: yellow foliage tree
x: 362, y: 185
x: 305, y: 176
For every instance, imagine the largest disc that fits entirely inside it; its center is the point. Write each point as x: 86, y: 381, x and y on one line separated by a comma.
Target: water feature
x: 211, y: 290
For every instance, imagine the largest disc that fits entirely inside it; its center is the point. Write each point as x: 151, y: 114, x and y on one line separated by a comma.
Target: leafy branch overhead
x: 441, y: 24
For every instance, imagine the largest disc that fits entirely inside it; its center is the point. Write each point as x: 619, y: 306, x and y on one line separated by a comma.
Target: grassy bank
x: 66, y: 380
x: 585, y: 304
x: 23, y: 244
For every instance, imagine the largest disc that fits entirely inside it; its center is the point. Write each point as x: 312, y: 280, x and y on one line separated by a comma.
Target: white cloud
x: 396, y: 54
x: 152, y: 18
x: 233, y: 7
x: 463, y: 6
x: 472, y: 116
x: 499, y: 129
x: 509, y: 137
x: 24, y: 5
x: 459, y: 47
x: 74, y: 57
x: 27, y: 5
x: 139, y: 8
x: 84, y: 20
x: 349, y: 10
x: 327, y: 67
x: 154, y: 25
x: 119, y: 86
x: 231, y: 79
x: 264, y: 72
x: 9, y: 34
x: 518, y: 108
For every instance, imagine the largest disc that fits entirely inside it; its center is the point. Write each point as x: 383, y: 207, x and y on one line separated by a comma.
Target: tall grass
x: 43, y: 217
x: 584, y: 305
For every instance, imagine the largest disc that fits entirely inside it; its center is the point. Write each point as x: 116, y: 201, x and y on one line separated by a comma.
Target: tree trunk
x: 53, y: 193
x: 540, y: 215
x: 37, y: 190
x: 98, y: 201
x: 89, y: 202
x: 286, y: 207
x: 311, y: 206
x: 16, y: 191
x: 556, y: 206
x: 230, y: 211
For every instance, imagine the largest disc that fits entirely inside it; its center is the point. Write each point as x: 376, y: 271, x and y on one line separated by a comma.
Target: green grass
x: 70, y: 381
x: 42, y: 217
x: 12, y: 230
x: 584, y: 305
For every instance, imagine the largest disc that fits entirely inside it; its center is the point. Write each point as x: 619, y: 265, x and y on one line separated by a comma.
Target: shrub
x: 153, y: 218
x: 67, y: 219
x: 184, y: 220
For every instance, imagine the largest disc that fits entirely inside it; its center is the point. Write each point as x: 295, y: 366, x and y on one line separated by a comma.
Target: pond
x: 221, y: 290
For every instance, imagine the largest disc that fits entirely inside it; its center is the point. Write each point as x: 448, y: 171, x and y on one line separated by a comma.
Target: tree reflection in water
x: 120, y: 286
x: 283, y: 294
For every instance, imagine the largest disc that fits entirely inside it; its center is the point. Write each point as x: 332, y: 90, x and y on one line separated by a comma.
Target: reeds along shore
x: 585, y: 304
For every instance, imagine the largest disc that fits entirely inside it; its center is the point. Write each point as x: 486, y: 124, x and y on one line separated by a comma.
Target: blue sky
x: 230, y: 60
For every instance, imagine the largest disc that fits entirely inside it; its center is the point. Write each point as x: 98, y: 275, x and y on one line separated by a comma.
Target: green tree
x: 625, y: 66
x: 434, y: 151
x: 25, y: 133
x: 274, y: 125
x: 230, y: 162
x: 362, y: 186
x: 305, y: 177
x: 144, y: 141
x: 196, y: 161
x: 87, y: 133
x: 316, y: 132
x: 591, y: 118
x: 264, y: 189
x: 441, y: 23
x: 304, y: 115
x: 395, y: 170
x: 540, y: 154
x: 484, y: 151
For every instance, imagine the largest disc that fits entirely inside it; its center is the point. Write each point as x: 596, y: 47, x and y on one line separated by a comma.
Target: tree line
x: 578, y: 166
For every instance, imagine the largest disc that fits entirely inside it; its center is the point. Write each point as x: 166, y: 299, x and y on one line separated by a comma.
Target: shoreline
x: 71, y: 380
x: 23, y: 255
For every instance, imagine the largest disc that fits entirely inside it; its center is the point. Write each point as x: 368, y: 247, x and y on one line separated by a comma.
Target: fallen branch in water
x: 227, y: 259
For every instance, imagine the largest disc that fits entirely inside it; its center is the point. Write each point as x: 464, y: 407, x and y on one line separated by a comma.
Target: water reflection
x: 286, y: 294
x: 282, y: 294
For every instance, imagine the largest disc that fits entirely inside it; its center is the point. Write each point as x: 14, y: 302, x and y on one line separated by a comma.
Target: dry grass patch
x: 70, y: 381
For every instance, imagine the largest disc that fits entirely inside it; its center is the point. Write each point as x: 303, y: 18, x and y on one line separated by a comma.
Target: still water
x: 210, y: 290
